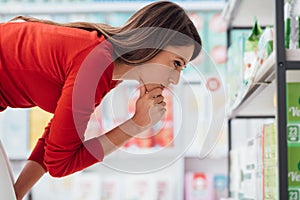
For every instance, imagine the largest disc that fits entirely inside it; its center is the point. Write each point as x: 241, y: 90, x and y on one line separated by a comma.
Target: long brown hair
x: 145, y: 34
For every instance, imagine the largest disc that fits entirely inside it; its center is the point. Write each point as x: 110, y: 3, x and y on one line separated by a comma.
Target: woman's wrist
x: 132, y: 128
x: 118, y: 136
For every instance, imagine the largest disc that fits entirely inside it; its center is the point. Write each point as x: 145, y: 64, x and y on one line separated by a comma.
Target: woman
x: 66, y: 69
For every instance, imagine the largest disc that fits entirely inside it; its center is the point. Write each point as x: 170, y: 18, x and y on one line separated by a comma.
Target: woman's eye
x: 178, y: 65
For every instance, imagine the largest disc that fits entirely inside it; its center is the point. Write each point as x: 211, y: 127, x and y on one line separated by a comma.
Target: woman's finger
x: 158, y: 99
x: 163, y: 103
x: 143, y: 90
x: 155, y: 92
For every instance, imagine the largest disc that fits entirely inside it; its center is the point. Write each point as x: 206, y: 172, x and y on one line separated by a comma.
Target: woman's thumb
x: 142, y: 90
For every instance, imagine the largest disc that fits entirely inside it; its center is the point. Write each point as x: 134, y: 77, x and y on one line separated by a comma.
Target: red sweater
x: 59, y: 70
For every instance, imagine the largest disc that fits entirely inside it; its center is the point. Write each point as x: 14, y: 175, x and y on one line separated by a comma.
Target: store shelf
x: 292, y: 57
x: 93, y: 7
x: 259, y: 99
x: 250, y: 101
x: 241, y: 13
x: 293, y: 76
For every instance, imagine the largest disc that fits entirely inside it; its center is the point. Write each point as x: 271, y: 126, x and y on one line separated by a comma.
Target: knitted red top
x: 65, y: 71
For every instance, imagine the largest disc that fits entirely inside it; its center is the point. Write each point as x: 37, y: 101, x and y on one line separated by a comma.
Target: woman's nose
x: 174, y: 78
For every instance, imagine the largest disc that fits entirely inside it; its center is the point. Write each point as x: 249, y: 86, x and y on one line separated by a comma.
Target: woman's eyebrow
x: 183, y: 60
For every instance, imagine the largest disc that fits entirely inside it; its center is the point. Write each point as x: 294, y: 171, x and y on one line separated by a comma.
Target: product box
x: 235, y: 173
x: 270, y: 172
x: 139, y: 187
x: 251, y: 52
x: 234, y: 70
x: 293, y: 139
x: 111, y: 188
x: 294, y: 172
x: 293, y: 113
x: 220, y: 185
x: 198, y: 186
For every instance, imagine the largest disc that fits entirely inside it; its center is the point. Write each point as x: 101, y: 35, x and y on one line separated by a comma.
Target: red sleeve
x: 65, y: 149
x: 38, y: 152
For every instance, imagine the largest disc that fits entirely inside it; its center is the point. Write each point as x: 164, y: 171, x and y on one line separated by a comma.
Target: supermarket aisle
x: 166, y: 166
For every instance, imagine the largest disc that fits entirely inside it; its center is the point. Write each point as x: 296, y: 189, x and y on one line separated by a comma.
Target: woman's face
x: 165, y: 68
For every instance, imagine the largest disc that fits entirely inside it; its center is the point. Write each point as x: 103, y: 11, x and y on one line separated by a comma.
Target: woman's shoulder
x: 48, y: 30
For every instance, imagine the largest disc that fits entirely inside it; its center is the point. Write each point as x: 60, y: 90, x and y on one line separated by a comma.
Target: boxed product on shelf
x: 199, y: 186
x: 142, y: 187
x: 291, y: 17
x: 251, y: 52
x: 87, y: 186
x: 293, y: 139
x: 259, y: 140
x: 220, y: 186
x: 270, y: 185
x: 92, y: 185
x: 270, y: 162
x: 253, y: 167
x: 234, y: 67
x: 111, y: 188
x: 164, y: 188
x: 265, y: 45
x: 251, y: 176
x: 235, y: 173
x: 293, y: 172
x: 293, y: 101
x: 204, y: 186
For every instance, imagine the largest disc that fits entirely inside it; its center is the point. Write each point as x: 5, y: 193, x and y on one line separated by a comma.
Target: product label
x: 293, y: 102
x: 293, y: 139
x: 293, y: 133
x: 294, y: 193
x: 294, y: 166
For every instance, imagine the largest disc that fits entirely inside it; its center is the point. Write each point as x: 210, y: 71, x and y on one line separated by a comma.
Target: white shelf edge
x: 293, y: 76
x: 293, y: 54
x: 269, y: 65
x: 267, y: 70
x: 239, y: 13
x: 91, y: 7
x: 228, y: 11
x: 261, y: 77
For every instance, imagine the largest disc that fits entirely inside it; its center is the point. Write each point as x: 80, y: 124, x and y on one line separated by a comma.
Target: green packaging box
x: 293, y: 114
x: 293, y: 139
x: 294, y: 166
x: 270, y: 163
x: 293, y: 103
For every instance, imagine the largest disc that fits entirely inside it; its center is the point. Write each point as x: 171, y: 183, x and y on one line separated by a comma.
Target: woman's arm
x: 30, y: 174
x: 148, y: 112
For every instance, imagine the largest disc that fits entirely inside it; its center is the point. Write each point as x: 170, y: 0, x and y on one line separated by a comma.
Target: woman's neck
x: 123, y: 71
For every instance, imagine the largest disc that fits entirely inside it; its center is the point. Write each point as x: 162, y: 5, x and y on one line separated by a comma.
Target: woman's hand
x: 150, y: 107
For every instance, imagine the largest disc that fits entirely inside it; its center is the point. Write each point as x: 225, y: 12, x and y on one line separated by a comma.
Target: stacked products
x: 246, y: 56
x: 270, y: 174
x: 293, y: 140
x: 253, y: 168
x: 203, y: 186
x: 292, y: 16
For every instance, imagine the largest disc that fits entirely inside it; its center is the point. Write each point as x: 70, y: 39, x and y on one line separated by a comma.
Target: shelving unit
x: 257, y: 93
x: 265, y: 96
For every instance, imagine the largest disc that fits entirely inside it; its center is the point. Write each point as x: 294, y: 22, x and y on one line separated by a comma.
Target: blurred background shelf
x: 125, y: 174
x: 241, y: 13
x: 66, y: 7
